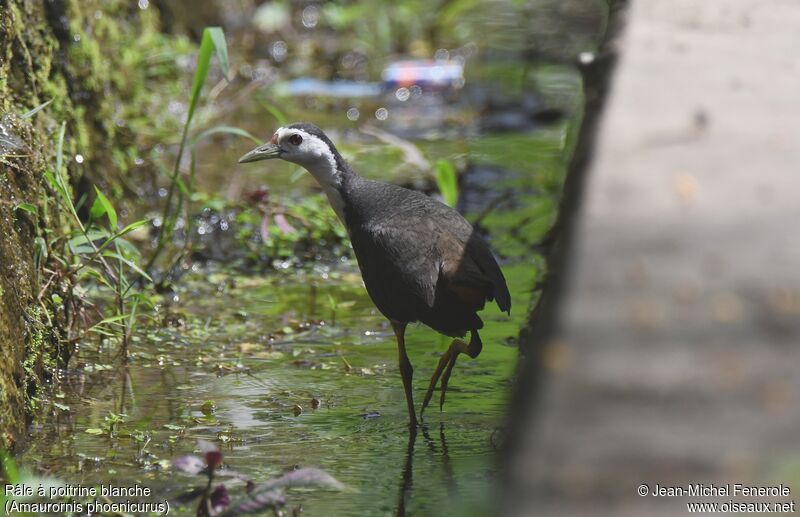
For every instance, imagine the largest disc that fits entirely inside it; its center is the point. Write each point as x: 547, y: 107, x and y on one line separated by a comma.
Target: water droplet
x: 246, y: 71
x: 162, y: 192
x: 586, y: 58
x: 381, y: 114
x: 402, y: 94
x: 79, y: 158
x: 279, y: 50
x: 353, y: 114
x: 175, y: 107
x: 310, y: 16
x: 144, y: 4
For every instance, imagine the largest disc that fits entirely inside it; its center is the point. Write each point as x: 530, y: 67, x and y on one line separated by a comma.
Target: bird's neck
x: 332, y: 173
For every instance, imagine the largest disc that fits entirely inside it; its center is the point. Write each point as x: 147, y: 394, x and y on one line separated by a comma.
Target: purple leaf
x: 301, y: 477
x: 283, y: 224
x: 258, y: 502
x: 220, y: 499
x: 189, y: 464
x: 264, y: 228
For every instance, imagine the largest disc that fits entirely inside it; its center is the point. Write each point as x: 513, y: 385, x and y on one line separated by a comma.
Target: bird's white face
x: 310, y: 152
x: 305, y: 149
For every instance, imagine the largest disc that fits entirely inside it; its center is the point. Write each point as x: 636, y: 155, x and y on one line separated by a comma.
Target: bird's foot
x: 446, y: 364
x: 446, y: 379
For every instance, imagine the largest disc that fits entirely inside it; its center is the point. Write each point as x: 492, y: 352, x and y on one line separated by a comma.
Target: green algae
x: 94, y: 60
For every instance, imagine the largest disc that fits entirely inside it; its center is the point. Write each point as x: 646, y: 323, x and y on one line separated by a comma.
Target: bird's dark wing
x: 470, y: 270
x: 415, y: 255
x: 399, y: 268
x: 410, y: 244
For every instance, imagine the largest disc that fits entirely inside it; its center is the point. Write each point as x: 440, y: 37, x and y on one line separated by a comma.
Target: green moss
x: 39, y: 357
x: 95, y: 60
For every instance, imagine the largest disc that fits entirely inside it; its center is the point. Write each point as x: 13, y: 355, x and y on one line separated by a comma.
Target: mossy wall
x: 101, y: 63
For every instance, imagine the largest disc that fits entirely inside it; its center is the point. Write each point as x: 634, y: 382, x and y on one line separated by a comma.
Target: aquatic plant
x: 92, y: 251
x: 213, y: 41
x: 447, y: 182
x: 215, y: 500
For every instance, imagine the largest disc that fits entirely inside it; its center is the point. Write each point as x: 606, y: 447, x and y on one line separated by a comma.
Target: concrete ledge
x: 675, y: 357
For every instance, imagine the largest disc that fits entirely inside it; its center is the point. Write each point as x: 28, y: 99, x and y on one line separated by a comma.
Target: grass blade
x: 447, y: 182
x: 27, y: 207
x: 218, y: 38
x: 102, y: 206
x: 227, y: 130
x: 200, y: 73
x: 129, y: 263
x: 277, y: 114
x: 60, y: 150
x: 213, y: 38
x: 37, y: 109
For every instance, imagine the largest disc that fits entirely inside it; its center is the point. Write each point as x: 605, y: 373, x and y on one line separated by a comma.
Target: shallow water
x: 289, y: 351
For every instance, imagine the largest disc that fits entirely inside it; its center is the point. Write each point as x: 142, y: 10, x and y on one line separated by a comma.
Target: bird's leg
x: 473, y: 350
x: 406, y: 370
x: 446, y: 364
x: 456, y: 347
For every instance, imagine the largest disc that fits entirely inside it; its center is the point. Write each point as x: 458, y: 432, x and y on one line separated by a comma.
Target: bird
x: 420, y: 260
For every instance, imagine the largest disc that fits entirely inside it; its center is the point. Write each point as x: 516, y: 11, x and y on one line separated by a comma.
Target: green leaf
x: 277, y: 114
x: 134, y: 225
x: 102, y: 206
x: 53, y: 179
x: 218, y: 37
x: 27, y: 207
x: 37, y: 109
x: 201, y: 71
x: 228, y: 130
x: 182, y: 186
x: 40, y: 252
x: 447, y: 182
x: 60, y: 151
x: 116, y: 237
x: 128, y: 263
x: 82, y: 240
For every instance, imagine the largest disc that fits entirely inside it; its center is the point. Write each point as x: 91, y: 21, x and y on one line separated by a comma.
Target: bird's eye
x: 295, y: 139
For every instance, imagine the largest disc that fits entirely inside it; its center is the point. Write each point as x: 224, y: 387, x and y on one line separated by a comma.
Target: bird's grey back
x: 375, y: 206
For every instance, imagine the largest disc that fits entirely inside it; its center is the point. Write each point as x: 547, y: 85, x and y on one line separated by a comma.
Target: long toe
x: 443, y: 362
x: 446, y: 379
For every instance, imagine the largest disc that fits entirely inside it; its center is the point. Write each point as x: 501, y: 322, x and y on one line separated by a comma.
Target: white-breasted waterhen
x: 420, y: 259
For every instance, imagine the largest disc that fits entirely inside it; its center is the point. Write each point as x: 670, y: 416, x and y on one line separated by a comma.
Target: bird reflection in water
x: 407, y: 477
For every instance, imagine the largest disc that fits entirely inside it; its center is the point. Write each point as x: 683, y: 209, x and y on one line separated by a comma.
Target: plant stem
x: 165, y: 218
